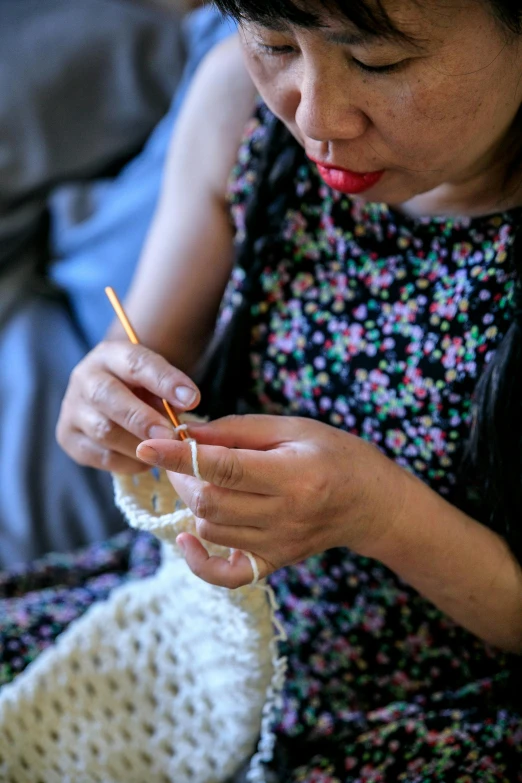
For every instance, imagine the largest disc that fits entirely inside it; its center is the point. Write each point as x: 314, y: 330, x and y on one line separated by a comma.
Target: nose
x: 326, y: 112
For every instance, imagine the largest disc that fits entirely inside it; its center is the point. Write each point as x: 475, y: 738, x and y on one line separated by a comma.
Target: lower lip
x: 348, y: 181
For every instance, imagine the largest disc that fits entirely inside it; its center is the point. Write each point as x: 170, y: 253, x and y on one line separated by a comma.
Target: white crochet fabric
x: 171, y: 680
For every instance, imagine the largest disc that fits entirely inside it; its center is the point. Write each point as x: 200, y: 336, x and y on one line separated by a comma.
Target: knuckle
x: 81, y: 451
x: 228, y: 470
x: 85, y: 367
x: 84, y: 453
x: 201, y: 503
x: 318, y: 485
x: 76, y: 376
x: 304, y: 494
x: 204, y: 529
x: 100, y: 389
x: 137, y: 358
x: 175, y: 467
x: 136, y: 421
x: 164, y: 379
x: 108, y: 460
x: 102, y: 430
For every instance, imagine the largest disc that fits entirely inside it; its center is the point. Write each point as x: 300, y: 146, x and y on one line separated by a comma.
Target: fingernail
x: 161, y: 433
x: 186, y: 394
x: 181, y: 545
x: 148, y: 454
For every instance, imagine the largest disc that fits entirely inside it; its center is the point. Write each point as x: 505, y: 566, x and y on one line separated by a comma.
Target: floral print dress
x: 381, y: 325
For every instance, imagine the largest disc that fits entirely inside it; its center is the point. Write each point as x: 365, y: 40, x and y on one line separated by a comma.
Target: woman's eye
x: 378, y: 68
x: 275, y: 50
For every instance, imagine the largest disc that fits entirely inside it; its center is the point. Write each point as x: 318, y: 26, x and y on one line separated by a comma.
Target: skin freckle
x: 442, y: 107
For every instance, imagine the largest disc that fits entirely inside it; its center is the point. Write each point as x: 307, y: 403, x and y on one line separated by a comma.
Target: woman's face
x: 411, y: 118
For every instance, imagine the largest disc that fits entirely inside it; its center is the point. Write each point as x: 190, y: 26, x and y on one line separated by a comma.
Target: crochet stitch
x: 170, y: 680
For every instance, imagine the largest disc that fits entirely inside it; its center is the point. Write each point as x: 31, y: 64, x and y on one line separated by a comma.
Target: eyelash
x: 377, y: 69
x: 275, y: 50
x: 372, y: 69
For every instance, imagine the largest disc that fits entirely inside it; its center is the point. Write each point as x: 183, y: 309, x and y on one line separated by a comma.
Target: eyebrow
x: 353, y: 37
x: 350, y: 39
x: 344, y: 37
x: 360, y: 38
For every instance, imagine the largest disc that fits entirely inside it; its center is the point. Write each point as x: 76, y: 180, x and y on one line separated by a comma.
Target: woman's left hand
x: 281, y: 488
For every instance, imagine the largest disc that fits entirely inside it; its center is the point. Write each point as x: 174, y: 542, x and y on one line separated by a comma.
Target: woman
x: 375, y: 302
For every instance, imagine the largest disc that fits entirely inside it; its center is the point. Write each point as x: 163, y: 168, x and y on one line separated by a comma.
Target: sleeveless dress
x: 381, y: 325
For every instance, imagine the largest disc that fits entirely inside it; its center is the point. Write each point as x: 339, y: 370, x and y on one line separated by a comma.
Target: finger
x: 232, y: 573
x: 85, y: 452
x: 225, y: 506
x: 138, y: 366
x: 256, y: 432
x: 110, y: 397
x: 245, y: 538
x: 242, y: 470
x: 106, y: 433
x: 149, y: 399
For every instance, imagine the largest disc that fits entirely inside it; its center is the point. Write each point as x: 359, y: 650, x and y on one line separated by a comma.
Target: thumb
x: 256, y: 432
x: 235, y: 572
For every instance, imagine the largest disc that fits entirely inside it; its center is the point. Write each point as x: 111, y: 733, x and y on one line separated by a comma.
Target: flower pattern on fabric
x: 39, y: 601
x: 380, y: 325
x: 373, y: 322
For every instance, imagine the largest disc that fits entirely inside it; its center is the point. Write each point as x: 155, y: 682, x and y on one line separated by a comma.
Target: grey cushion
x: 82, y: 84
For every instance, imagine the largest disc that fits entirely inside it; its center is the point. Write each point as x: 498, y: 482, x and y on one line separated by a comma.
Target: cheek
x: 428, y: 123
x: 275, y: 85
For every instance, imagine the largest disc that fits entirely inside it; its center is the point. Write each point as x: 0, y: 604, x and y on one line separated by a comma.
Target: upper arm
x: 187, y: 258
x: 210, y: 127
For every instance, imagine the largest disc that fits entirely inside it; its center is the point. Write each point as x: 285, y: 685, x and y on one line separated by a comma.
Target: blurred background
x: 89, y: 94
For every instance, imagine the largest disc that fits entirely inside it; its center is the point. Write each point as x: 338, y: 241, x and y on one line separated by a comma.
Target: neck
x: 496, y: 186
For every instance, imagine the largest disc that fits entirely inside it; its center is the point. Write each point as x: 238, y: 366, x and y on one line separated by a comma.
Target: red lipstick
x: 345, y: 181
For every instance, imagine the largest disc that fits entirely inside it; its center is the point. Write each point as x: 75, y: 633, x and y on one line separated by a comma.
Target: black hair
x: 493, y: 457
x: 368, y: 17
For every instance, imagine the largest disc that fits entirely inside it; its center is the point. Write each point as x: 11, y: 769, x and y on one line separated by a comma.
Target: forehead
x: 412, y: 21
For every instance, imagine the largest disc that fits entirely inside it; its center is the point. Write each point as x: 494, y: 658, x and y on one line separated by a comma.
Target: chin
x: 390, y: 193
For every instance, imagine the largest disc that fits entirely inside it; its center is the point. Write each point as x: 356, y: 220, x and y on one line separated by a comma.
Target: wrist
x: 375, y: 497
x: 393, y: 528
x: 465, y: 569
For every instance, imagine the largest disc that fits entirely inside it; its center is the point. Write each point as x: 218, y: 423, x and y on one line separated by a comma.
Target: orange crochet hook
x: 131, y: 334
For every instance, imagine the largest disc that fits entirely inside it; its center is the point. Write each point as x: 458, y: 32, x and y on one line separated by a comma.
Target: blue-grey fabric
x: 97, y: 232
x: 52, y: 307
x: 82, y: 84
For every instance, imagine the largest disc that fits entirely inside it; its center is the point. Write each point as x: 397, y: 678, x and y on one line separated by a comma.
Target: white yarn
x: 195, y: 463
x: 255, y: 567
x: 170, y: 680
x: 194, y: 449
x: 197, y: 474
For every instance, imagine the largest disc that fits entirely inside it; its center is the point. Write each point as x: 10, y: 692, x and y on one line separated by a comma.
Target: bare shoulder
x: 223, y: 75
x: 219, y: 104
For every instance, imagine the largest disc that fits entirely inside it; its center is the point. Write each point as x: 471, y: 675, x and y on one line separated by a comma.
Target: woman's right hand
x: 113, y: 403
